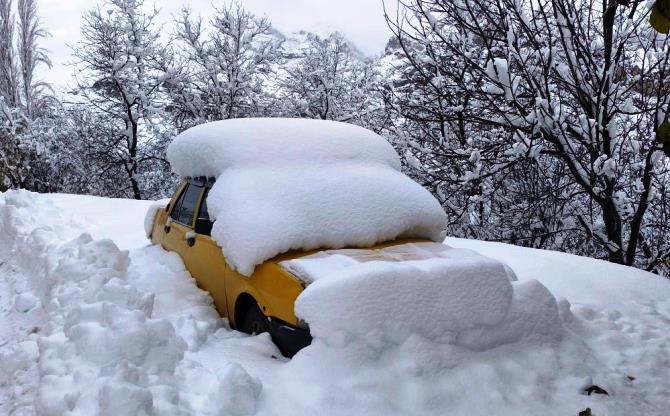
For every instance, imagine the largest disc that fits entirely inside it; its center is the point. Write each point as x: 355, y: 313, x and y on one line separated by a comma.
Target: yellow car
x: 262, y: 302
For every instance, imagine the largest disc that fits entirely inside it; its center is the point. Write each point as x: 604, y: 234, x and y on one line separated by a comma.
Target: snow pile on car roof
x: 446, y: 295
x: 293, y: 184
x: 209, y: 149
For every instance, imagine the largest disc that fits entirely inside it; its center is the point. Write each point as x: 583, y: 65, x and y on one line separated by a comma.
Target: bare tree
x: 328, y: 78
x: 222, y: 72
x: 123, y: 66
x: 573, y: 92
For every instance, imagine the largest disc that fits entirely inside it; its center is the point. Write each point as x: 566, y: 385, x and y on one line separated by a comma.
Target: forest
x: 541, y: 123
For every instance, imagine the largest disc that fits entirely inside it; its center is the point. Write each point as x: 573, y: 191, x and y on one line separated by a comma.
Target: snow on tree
x: 329, y: 79
x: 123, y: 67
x: 9, y: 84
x: 21, y: 150
x: 223, y: 68
x: 535, y: 122
x: 30, y: 53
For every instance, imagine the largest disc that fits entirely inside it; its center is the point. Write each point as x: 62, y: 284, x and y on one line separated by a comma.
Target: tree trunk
x: 133, y: 156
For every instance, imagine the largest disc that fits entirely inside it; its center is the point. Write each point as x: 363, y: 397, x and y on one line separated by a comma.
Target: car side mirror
x: 203, y: 226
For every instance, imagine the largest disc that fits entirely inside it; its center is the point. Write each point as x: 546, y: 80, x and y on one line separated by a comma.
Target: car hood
x: 330, y: 263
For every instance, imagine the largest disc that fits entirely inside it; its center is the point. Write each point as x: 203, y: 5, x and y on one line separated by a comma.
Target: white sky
x: 362, y: 21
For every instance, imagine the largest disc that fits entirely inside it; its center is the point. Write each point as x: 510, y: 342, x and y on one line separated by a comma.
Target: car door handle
x: 190, y: 241
x: 166, y: 228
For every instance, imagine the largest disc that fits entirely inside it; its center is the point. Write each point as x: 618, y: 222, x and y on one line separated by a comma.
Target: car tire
x: 255, y: 322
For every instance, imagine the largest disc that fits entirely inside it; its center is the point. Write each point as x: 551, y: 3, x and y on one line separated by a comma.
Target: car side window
x: 204, y: 224
x: 177, y: 204
x: 188, y: 204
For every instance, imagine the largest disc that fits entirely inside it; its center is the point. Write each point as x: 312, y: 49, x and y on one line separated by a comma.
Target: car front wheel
x: 255, y: 322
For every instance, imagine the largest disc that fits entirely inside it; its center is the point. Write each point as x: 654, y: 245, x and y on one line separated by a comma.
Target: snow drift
x: 97, y: 349
x: 445, y: 295
x: 290, y: 184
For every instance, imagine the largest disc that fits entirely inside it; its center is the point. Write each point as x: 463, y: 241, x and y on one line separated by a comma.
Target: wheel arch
x: 243, y: 303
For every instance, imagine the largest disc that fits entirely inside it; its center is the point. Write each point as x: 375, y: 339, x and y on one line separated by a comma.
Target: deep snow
x: 211, y: 148
x: 409, y: 282
x: 88, y: 328
x: 285, y: 184
x: 265, y: 211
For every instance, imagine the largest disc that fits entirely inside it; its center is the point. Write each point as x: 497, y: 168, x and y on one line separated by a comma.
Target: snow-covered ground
x: 104, y: 323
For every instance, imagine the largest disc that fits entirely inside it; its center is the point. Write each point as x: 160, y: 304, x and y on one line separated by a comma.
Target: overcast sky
x: 362, y: 21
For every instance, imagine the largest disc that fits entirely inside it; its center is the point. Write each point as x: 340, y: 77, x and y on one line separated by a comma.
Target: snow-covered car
x: 267, y: 207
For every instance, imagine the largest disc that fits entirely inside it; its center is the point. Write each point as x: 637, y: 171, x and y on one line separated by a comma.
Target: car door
x: 201, y: 255
x: 180, y: 223
x: 208, y: 266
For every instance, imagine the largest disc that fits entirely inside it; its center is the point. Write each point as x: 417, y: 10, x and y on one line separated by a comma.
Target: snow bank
x: 99, y: 351
x: 227, y: 390
x: 209, y: 149
x: 445, y: 295
x: 292, y: 184
x: 177, y: 298
x: 102, y: 217
x: 577, y: 278
x: 533, y: 315
x: 615, y: 334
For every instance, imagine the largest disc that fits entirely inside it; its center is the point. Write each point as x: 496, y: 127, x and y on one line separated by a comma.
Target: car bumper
x: 288, y: 338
